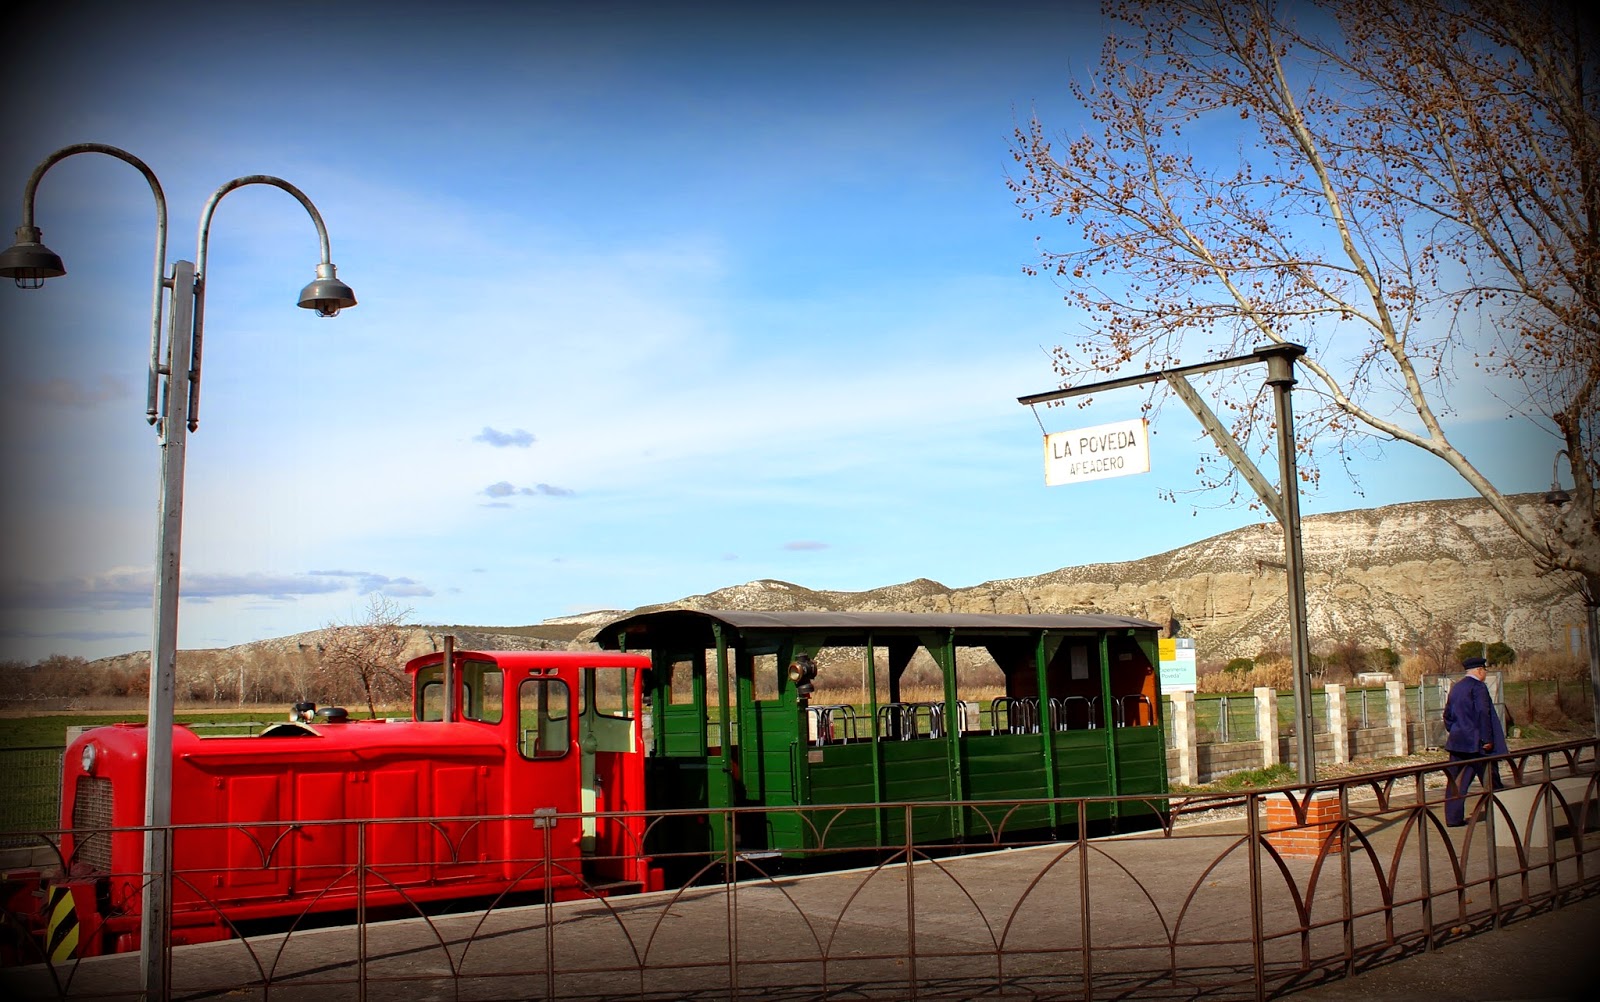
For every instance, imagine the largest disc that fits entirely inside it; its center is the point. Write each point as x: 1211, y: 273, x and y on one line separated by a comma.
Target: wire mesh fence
x: 34, y: 800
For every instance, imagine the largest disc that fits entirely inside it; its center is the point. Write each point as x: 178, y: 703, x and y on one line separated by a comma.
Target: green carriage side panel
x: 1004, y: 767
x: 1083, y: 769
x: 683, y: 731
x: 768, y: 759
x: 840, y: 774
x: 917, y: 771
x: 1141, y: 768
x: 774, y: 734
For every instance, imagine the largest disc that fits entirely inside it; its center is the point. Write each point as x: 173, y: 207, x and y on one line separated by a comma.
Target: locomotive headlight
x: 88, y: 759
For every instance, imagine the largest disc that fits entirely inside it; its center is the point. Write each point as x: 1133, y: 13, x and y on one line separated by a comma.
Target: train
x: 682, y: 735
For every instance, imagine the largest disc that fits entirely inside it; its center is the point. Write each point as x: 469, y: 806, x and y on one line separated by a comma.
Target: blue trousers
x: 1464, y: 767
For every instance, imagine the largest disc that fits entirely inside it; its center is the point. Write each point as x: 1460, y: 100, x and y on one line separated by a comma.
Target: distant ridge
x: 1380, y: 576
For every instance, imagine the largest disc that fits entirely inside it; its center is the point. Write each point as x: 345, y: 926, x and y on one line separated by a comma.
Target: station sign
x: 1107, y: 450
x: 1177, y: 664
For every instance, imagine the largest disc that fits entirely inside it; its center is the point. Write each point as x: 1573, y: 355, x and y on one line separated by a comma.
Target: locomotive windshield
x: 482, y: 690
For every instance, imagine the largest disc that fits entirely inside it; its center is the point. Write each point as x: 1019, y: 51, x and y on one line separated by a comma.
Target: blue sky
x: 654, y: 299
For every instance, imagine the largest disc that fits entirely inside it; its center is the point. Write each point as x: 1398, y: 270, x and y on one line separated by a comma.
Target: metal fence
x: 1225, y: 719
x: 1367, y: 708
x: 1222, y: 909
x: 33, y: 777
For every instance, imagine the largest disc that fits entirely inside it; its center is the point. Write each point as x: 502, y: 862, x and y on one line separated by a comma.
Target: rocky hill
x: 1380, y: 576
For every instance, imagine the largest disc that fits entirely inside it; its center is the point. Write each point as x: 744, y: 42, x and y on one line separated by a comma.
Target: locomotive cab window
x: 612, y: 694
x: 482, y: 692
x: 480, y: 685
x: 545, y: 718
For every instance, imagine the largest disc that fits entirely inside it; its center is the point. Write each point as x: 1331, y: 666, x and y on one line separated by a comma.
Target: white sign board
x: 1177, y: 664
x: 1107, y: 450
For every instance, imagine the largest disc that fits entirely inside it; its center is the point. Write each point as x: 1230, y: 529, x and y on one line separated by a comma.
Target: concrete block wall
x: 1190, y: 763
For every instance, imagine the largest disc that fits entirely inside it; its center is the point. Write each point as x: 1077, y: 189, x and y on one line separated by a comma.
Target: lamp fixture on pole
x: 1557, y: 496
x: 174, y: 410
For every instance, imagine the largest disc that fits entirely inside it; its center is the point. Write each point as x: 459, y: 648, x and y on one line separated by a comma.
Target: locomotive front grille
x: 91, y: 823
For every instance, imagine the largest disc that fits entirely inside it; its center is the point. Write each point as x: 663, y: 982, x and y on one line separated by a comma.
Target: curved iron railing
x: 1212, y: 900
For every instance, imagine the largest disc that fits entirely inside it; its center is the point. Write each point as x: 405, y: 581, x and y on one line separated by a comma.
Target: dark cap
x: 1471, y: 663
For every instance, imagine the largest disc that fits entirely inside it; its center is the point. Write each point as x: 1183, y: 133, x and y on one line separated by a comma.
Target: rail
x: 1061, y: 712
x: 1014, y: 715
x: 1215, y: 909
x: 831, y: 722
x: 910, y: 721
x: 1021, y: 714
x: 1119, y: 712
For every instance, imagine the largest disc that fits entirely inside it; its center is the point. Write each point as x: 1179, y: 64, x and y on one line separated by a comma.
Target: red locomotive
x: 322, y: 814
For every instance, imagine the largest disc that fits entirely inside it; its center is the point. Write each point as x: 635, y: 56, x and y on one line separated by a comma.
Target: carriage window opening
x: 714, y: 708
x: 681, y: 682
x: 980, y: 683
x: 613, y: 693
x: 1080, y: 661
x: 544, y: 718
x: 765, y: 677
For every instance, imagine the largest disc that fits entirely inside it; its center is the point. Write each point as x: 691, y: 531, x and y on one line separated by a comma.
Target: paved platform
x: 1553, y: 957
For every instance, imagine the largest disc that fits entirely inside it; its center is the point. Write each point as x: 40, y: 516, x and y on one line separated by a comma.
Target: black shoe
x: 1455, y: 824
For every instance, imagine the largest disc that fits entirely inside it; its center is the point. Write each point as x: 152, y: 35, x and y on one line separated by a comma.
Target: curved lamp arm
x: 326, y: 294
x: 27, y: 232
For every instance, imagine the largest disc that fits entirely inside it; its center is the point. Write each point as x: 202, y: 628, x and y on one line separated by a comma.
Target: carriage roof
x: 644, y: 630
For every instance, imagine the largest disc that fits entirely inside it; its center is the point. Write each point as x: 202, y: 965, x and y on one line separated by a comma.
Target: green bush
x: 1255, y: 779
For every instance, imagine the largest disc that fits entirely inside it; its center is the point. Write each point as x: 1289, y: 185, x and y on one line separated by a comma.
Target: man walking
x: 1475, y: 733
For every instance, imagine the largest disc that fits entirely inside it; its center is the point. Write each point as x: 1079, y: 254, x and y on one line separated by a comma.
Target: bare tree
x: 365, y: 654
x: 1436, y: 650
x: 1409, y: 188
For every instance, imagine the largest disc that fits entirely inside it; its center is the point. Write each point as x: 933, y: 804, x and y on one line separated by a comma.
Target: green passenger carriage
x: 809, y: 709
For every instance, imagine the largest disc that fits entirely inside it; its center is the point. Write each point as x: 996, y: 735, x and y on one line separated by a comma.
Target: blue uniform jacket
x: 1469, y: 714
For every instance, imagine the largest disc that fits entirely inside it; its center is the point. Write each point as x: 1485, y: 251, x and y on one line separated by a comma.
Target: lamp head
x: 1557, y: 496
x: 29, y: 262
x: 326, y: 294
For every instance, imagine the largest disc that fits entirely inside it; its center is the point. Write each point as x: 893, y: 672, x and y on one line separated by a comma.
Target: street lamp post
x: 174, y: 410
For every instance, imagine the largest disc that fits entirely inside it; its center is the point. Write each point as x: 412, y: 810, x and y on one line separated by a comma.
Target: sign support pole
x: 1284, y: 503
x: 1280, y: 376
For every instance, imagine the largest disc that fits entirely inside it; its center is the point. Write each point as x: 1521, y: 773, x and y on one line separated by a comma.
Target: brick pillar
x: 1183, y: 737
x: 1267, y: 725
x: 1395, y: 701
x: 1290, y: 837
x: 1338, y: 723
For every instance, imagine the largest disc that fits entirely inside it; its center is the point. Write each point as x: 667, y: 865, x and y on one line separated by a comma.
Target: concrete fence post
x: 1395, y: 702
x: 1338, y: 723
x: 1267, y: 724
x: 1183, y: 738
